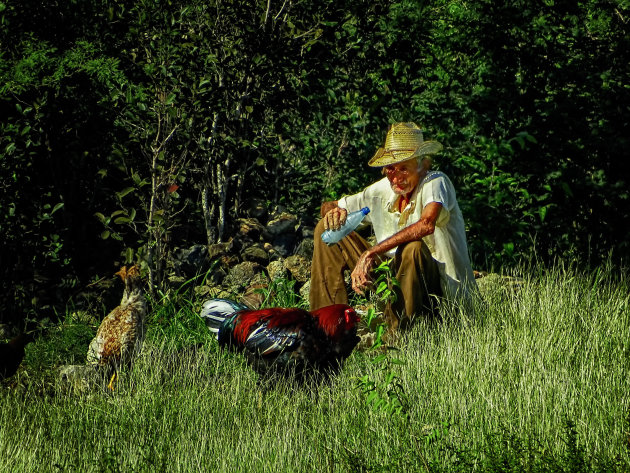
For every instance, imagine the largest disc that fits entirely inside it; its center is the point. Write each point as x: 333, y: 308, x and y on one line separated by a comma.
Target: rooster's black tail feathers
x: 215, y: 311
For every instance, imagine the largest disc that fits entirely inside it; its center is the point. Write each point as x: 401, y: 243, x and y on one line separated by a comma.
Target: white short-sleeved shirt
x: 448, y: 242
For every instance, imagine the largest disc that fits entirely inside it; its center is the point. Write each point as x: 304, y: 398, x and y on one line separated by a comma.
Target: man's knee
x: 319, y: 228
x: 411, y: 251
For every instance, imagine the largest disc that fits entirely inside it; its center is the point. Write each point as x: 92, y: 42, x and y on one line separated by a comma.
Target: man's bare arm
x: 423, y: 227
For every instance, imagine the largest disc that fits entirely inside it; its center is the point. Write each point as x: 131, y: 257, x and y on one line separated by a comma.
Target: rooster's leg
x: 112, y: 381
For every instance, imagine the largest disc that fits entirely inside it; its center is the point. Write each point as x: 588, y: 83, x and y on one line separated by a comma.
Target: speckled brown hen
x: 121, y: 333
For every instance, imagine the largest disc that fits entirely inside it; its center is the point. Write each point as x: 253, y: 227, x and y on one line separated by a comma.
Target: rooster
x: 282, y: 341
x: 12, y: 353
x: 121, y: 333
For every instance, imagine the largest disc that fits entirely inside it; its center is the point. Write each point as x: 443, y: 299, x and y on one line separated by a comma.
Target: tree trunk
x: 222, y: 173
x: 209, y: 189
x: 208, y: 211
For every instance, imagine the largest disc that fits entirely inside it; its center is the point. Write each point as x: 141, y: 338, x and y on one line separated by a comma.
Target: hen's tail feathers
x: 215, y: 311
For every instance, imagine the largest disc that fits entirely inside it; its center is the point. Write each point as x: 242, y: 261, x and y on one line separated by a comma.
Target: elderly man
x: 416, y: 221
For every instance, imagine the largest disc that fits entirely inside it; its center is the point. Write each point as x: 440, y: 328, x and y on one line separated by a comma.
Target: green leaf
x: 57, y: 207
x: 378, y: 359
x: 170, y: 99
x: 125, y: 192
x: 129, y: 255
x: 542, y: 212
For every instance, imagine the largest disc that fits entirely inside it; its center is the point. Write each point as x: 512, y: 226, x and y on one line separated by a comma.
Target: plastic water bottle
x: 353, y: 219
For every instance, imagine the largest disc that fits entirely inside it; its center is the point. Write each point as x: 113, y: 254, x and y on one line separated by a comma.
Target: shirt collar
x: 392, y: 202
x: 392, y: 206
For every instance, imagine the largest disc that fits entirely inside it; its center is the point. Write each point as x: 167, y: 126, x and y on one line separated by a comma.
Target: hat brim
x: 384, y: 157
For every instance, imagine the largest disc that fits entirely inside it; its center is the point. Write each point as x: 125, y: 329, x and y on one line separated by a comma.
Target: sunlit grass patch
x: 535, y: 379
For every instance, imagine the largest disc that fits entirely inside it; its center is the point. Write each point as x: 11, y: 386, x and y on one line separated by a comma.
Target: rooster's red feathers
x: 281, y: 340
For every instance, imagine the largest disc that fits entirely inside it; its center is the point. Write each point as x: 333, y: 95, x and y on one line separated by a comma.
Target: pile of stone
x: 259, y: 251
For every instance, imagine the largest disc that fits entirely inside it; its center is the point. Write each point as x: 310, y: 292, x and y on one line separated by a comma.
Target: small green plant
x: 281, y: 293
x: 387, y: 394
x: 385, y: 283
x: 384, y: 392
x: 384, y: 293
x: 379, y: 327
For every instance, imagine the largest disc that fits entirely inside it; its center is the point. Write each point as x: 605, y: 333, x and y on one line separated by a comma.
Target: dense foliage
x: 130, y: 128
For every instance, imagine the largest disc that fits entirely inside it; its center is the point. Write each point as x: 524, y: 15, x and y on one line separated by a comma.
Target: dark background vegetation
x: 130, y: 128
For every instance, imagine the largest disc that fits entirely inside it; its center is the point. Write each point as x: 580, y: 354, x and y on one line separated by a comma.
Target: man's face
x: 403, y: 177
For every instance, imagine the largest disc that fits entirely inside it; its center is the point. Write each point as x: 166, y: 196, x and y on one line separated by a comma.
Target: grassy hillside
x: 533, y: 379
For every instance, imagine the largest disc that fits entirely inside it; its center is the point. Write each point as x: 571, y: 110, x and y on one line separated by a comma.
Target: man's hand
x: 335, y: 218
x: 425, y: 226
x: 361, y: 274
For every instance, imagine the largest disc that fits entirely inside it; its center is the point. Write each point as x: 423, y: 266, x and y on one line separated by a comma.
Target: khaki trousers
x: 413, y: 266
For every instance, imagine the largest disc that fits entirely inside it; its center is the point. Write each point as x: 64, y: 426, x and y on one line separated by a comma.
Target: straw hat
x: 404, y: 141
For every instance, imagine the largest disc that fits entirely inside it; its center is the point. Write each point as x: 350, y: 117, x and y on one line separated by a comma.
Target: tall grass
x: 533, y: 380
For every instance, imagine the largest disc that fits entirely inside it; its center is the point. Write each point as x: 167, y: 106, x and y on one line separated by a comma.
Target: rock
x: 242, y: 275
x: 79, y: 378
x: 299, y: 267
x: 276, y: 270
x: 229, y: 261
x: 212, y: 292
x: 189, y: 262
x: 176, y: 280
x: 308, y: 232
x: 271, y: 251
x: 254, y: 295
x: 257, y: 209
x: 219, y: 250
x: 305, y: 248
x: 367, y: 339
x: 305, y: 290
x: 255, y: 253
x: 276, y: 211
x: 284, y: 244
x: 223, y: 258
x: 250, y: 229
x: 283, y: 223
x: 217, y: 273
